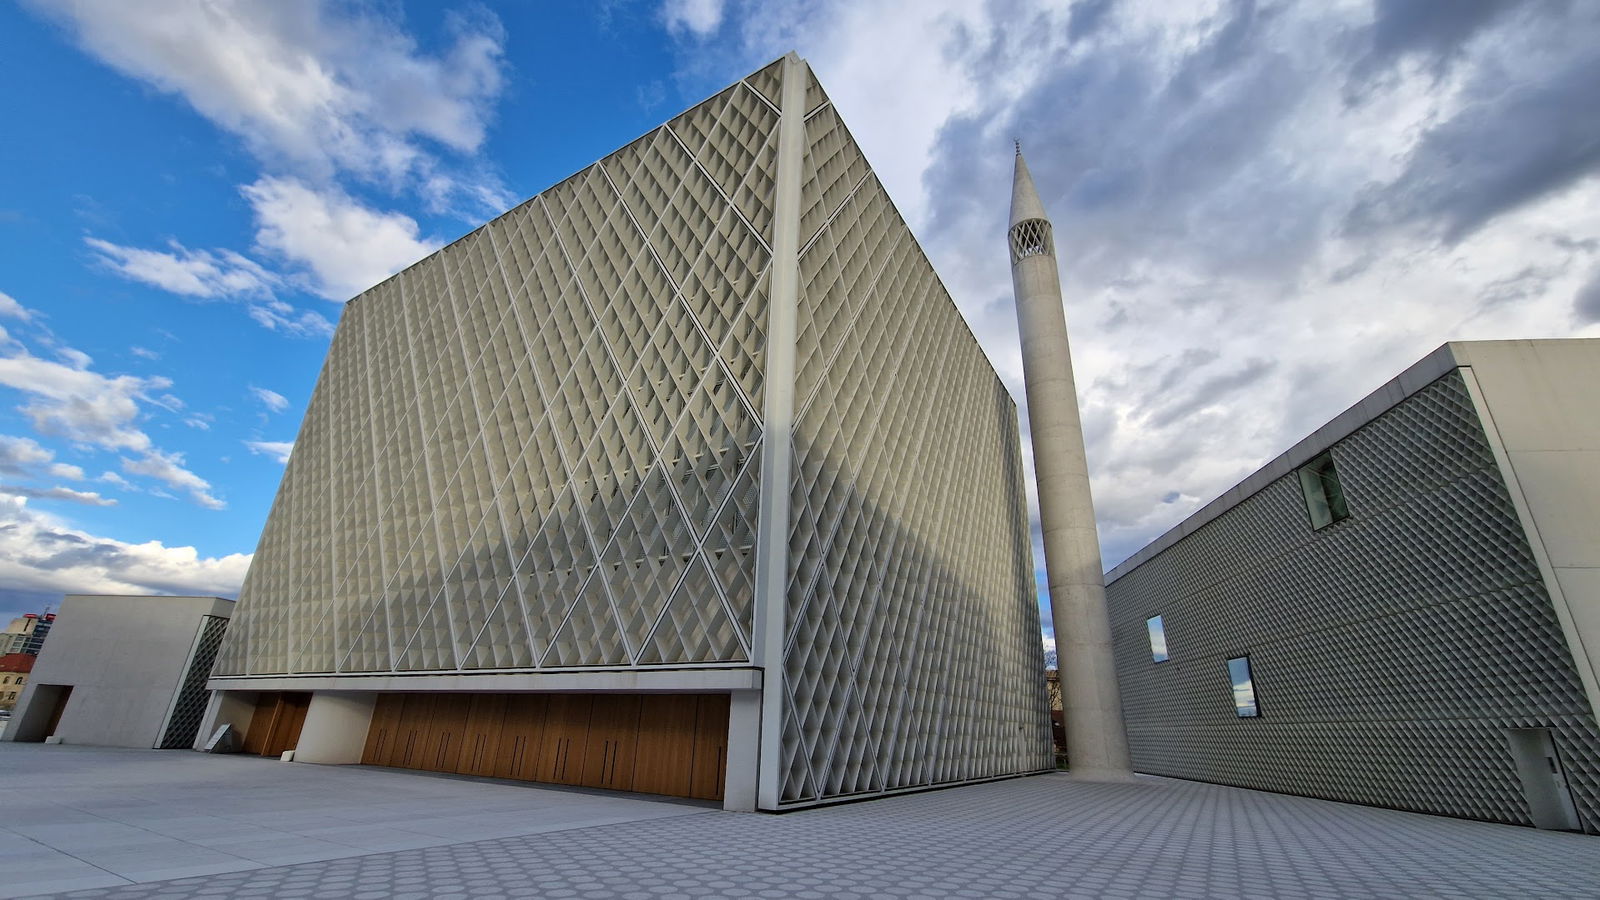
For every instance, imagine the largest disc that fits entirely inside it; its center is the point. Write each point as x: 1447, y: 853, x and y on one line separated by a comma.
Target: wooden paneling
x: 675, y: 744
x: 381, y: 735
x: 442, y: 752
x: 411, y: 739
x: 485, y: 720
x: 710, y: 747
x: 521, y: 735
x: 613, y: 736
x: 255, y: 737
x: 665, y: 755
x: 287, y: 720
x: 566, y: 735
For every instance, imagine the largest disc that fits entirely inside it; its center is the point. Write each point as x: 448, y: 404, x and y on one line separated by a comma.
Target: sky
x: 1263, y: 211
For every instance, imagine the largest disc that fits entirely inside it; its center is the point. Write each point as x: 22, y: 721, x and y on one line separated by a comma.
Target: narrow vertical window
x: 1158, y: 638
x: 1244, y: 688
x: 1319, y: 481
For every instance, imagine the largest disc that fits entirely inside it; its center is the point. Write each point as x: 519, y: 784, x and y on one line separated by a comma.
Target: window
x: 1319, y: 480
x: 1244, y: 688
x: 1158, y: 638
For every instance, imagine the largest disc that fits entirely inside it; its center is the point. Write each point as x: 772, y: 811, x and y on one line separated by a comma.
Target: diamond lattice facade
x: 699, y: 419
x: 1418, y: 623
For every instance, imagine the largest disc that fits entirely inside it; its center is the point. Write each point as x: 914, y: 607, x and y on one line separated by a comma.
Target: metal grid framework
x: 1391, y: 651
x: 190, y: 705
x: 541, y: 448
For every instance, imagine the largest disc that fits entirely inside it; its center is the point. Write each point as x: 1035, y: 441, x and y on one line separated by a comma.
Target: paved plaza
x: 407, y: 835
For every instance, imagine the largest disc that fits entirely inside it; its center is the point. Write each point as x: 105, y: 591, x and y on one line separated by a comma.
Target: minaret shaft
x: 1097, y: 743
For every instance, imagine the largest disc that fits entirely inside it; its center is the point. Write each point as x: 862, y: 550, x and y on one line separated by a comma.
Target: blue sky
x: 1264, y: 210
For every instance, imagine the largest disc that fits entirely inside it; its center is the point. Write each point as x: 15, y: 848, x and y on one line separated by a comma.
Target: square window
x: 1158, y: 638
x: 1319, y: 481
x: 1244, y: 688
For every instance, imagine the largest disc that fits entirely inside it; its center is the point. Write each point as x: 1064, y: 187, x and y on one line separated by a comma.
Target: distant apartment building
x: 26, y: 633
x: 14, y: 669
x: 1403, y: 610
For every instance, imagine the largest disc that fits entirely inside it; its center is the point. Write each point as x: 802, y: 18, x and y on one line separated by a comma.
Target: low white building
x: 123, y: 671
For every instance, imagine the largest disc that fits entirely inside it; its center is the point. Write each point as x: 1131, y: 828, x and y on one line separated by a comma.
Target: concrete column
x: 335, y: 731
x: 234, y: 708
x: 772, y: 532
x: 1097, y: 741
x: 744, y: 740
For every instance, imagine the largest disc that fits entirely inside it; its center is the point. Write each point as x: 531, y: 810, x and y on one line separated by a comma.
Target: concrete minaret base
x: 1097, y: 742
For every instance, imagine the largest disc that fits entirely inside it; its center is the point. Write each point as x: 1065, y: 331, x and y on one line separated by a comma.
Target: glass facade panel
x: 1158, y: 638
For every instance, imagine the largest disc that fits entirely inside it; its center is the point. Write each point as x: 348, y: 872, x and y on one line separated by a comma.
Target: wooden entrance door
x: 674, y: 744
x: 275, y: 725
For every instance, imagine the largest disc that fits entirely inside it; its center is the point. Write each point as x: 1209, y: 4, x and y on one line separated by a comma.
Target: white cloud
x: 317, y: 87
x: 11, y: 309
x: 88, y: 498
x: 1205, y: 165
x: 192, y: 273
x: 698, y: 17
x: 40, y: 553
x: 144, y: 353
x: 276, y: 315
x: 21, y: 456
x: 78, y: 404
x: 278, y: 450
x: 168, y: 467
x: 345, y: 246
x: 115, y: 479
x: 202, y: 421
x: 270, y: 399
x: 67, y: 470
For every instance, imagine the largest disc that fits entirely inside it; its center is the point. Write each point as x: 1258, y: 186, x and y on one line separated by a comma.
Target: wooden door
x: 442, y: 752
x: 710, y: 747
x: 664, y: 760
x: 608, y: 756
x: 411, y: 738
x: 566, y: 734
x: 381, y: 734
x: 521, y: 737
x: 485, y: 720
x: 287, y: 719
x: 260, y: 730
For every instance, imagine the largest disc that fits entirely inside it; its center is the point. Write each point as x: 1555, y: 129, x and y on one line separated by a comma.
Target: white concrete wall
x: 1543, y: 410
x: 124, y: 657
x: 335, y: 730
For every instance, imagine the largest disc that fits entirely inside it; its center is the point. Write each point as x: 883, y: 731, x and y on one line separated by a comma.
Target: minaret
x: 1097, y: 743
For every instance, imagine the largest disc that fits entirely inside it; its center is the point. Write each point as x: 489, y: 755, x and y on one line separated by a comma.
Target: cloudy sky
x: 1263, y: 211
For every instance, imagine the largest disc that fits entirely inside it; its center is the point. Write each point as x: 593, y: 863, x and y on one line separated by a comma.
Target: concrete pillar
x: 744, y: 739
x: 1097, y: 742
x: 335, y: 730
x: 226, y: 708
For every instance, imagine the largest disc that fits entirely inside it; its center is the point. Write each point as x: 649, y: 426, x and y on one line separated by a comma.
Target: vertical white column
x: 744, y: 742
x: 772, y: 533
x: 335, y: 730
x: 1097, y: 742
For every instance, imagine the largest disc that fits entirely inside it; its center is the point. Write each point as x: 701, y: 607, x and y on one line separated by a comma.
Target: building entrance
x: 275, y: 726
x: 674, y: 744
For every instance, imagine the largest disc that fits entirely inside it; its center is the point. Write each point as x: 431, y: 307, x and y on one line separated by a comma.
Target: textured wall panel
x: 541, y: 447
x: 538, y: 447
x: 1390, y: 651
x: 912, y: 655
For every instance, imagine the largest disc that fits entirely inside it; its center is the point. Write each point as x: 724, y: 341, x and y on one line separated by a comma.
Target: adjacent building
x: 26, y: 634
x: 14, y: 669
x: 123, y: 671
x: 1402, y: 610
x: 684, y: 476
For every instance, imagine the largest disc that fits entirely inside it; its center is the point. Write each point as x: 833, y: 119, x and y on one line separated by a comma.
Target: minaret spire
x: 1097, y: 742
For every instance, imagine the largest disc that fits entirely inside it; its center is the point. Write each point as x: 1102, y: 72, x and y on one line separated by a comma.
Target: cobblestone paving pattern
x: 1045, y: 836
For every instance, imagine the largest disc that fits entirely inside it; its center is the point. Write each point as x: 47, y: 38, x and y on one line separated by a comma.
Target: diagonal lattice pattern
x: 536, y: 448
x: 543, y: 448
x: 1391, y: 651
